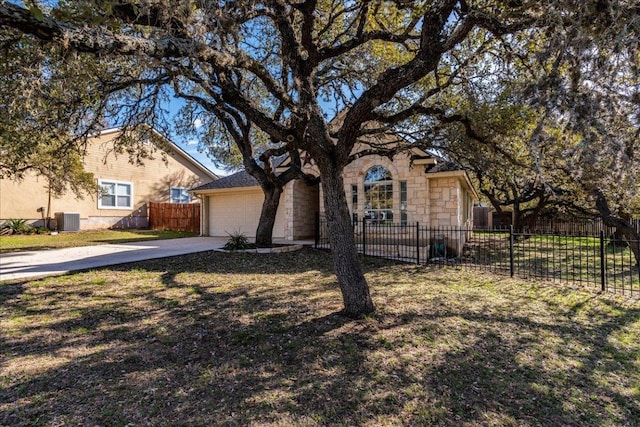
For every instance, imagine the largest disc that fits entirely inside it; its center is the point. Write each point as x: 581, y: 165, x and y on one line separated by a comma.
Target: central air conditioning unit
x: 68, y: 221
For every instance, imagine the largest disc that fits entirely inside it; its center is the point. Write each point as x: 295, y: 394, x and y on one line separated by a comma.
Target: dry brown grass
x: 246, y: 339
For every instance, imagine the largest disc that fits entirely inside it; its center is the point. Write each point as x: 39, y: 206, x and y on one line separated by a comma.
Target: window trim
x: 354, y: 203
x: 377, y: 211
x: 102, y: 182
x: 404, y: 204
x: 184, y: 189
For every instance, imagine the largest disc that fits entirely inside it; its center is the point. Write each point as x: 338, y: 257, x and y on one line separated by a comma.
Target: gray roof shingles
x: 236, y: 180
x: 444, y: 166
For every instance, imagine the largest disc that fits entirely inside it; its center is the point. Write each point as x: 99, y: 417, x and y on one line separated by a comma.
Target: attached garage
x: 233, y: 204
x: 234, y: 210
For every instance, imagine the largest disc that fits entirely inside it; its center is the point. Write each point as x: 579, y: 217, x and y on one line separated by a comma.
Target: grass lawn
x: 15, y: 243
x: 247, y: 339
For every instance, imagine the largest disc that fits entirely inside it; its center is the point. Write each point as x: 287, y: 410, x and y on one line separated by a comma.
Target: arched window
x: 378, y: 195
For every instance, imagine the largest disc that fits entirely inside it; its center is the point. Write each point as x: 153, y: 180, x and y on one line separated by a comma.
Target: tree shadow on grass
x: 10, y: 291
x: 170, y: 371
x: 238, y: 263
x: 187, y: 351
x: 501, y: 377
x: 486, y: 383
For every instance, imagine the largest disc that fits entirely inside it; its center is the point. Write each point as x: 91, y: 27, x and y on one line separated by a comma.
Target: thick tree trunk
x: 516, y: 219
x: 621, y: 224
x: 618, y: 238
x: 354, y: 287
x: 507, y: 217
x: 632, y: 238
x: 264, y: 233
x: 531, y: 219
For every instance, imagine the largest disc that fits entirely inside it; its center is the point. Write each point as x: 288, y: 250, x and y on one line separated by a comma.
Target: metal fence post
x: 316, y: 234
x: 417, y: 243
x: 511, y: 260
x: 603, y: 277
x: 364, y: 236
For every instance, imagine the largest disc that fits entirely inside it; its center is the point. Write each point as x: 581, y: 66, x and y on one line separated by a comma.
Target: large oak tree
x: 379, y: 62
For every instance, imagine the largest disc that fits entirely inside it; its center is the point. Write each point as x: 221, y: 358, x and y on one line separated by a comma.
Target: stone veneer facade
x: 440, y: 199
x: 301, y: 202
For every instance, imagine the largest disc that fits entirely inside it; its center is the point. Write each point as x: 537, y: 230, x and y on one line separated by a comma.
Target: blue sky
x: 202, y: 158
x: 191, y: 147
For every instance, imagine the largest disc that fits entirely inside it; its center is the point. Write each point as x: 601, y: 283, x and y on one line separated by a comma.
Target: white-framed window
x: 179, y: 195
x: 115, y: 194
x: 378, y: 195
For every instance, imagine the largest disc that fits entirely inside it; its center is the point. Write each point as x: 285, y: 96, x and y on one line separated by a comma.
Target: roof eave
x: 211, y: 191
x: 455, y: 174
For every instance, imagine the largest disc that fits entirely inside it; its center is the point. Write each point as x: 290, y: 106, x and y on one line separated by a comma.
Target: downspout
x: 428, y: 222
x: 459, y: 213
x: 202, y: 213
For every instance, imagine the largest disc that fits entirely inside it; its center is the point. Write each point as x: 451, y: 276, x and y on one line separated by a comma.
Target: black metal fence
x: 600, y: 260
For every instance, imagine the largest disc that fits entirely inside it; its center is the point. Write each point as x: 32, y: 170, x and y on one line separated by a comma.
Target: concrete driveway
x: 24, y: 265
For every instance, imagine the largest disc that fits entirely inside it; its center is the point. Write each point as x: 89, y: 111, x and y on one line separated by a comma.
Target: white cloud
x: 192, y: 142
x: 197, y: 123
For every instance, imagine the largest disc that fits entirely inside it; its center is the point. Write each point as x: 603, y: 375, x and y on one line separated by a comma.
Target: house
x: 414, y: 187
x: 126, y: 187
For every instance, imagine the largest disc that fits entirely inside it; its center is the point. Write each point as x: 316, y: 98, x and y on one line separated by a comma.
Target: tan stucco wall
x: 238, y: 210
x: 151, y: 182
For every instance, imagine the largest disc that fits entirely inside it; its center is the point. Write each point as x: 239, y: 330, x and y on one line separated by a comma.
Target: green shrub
x: 18, y: 226
x: 40, y: 230
x: 238, y: 241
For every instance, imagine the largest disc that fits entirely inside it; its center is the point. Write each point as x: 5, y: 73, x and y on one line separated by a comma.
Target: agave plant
x: 237, y: 241
x: 18, y: 226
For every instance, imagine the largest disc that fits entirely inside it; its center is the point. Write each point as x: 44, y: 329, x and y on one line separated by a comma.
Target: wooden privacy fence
x: 174, y: 216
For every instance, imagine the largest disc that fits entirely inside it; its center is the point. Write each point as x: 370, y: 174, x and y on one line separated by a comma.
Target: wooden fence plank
x: 174, y: 216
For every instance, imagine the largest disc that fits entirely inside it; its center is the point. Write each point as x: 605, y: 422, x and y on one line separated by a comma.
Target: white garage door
x: 231, y: 212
